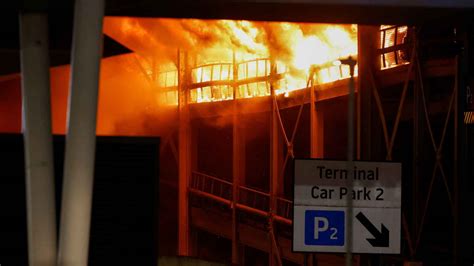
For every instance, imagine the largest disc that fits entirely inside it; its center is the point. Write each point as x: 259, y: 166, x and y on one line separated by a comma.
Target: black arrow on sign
x: 381, y: 239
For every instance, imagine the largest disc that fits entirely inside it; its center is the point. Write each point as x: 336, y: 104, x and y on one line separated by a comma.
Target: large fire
x: 227, y: 59
x: 227, y: 55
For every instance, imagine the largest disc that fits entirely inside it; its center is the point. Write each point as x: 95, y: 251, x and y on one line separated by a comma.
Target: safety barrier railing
x: 249, y: 199
x: 254, y: 198
x: 212, y: 185
x: 284, y: 208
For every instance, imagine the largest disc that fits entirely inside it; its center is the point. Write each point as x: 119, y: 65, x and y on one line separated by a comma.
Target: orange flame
x: 230, y: 55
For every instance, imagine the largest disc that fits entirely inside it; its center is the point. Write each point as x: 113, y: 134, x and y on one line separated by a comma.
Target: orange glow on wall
x: 126, y: 101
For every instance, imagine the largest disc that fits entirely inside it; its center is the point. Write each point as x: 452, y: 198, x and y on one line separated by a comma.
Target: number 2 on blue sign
x: 324, y: 228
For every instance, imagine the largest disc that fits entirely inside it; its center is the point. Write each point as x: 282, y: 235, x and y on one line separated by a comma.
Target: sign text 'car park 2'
x: 320, y: 206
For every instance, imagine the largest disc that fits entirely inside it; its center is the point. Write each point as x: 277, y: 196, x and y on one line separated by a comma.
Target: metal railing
x: 284, y: 208
x: 253, y: 198
x: 211, y: 185
x: 249, y: 199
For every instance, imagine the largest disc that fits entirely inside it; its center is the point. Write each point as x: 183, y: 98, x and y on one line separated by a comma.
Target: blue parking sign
x: 324, y: 228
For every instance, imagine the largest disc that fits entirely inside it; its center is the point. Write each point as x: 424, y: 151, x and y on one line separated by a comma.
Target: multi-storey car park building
x: 227, y: 153
x: 231, y: 126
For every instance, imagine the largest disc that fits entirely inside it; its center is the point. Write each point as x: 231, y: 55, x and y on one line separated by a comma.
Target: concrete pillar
x: 316, y: 128
x: 40, y: 199
x: 238, y: 168
x: 368, y: 61
x: 367, y: 117
x: 80, y: 141
x: 276, y: 178
x: 184, y: 160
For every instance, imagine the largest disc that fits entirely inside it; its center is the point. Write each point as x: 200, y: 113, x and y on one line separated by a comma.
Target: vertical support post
x: 316, y: 127
x: 418, y: 123
x: 350, y: 157
x: 184, y: 136
x: 38, y: 145
x: 457, y: 120
x: 193, y: 247
x: 80, y: 141
x: 368, y: 62
x: 273, y: 165
x: 238, y: 166
x: 462, y: 184
x: 275, y: 156
x: 309, y: 259
x: 316, y: 142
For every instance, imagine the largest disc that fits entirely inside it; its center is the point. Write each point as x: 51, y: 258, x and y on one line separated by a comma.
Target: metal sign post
x: 350, y: 155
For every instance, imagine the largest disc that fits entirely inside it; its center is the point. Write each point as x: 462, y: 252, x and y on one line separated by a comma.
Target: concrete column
x: 316, y: 128
x: 368, y: 61
x: 184, y: 162
x: 276, y: 179
x: 80, y: 141
x: 275, y: 161
x: 238, y: 168
x: 367, y: 116
x: 37, y: 137
x: 235, y: 190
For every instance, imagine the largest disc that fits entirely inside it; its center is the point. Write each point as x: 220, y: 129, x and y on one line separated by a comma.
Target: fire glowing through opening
x: 226, y: 55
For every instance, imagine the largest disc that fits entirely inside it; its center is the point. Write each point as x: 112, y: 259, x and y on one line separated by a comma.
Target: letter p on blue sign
x: 324, y: 228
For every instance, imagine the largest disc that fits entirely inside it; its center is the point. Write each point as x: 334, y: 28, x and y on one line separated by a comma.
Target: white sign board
x: 320, y: 219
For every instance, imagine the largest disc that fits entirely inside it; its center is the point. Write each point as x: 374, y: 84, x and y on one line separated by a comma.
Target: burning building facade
x: 236, y: 101
x: 242, y: 99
